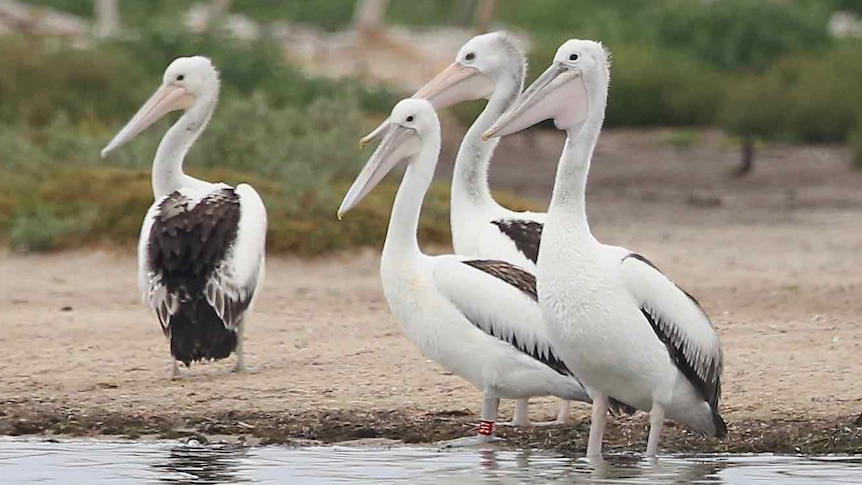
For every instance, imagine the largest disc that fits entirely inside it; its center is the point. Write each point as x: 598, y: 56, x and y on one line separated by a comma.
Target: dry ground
x: 773, y: 258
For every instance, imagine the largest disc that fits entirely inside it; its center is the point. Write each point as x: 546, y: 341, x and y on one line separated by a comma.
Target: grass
x: 683, y: 139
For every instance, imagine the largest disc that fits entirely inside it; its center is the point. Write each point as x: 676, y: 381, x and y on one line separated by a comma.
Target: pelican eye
x: 410, y: 118
x: 181, y: 77
x: 470, y: 56
x: 573, y: 57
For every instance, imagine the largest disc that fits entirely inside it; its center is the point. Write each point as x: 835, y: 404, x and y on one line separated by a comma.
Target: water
x: 105, y: 462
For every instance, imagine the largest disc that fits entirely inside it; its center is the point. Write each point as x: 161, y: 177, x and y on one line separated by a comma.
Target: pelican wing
x: 680, y: 323
x: 209, y: 246
x: 499, y: 299
x: 525, y: 233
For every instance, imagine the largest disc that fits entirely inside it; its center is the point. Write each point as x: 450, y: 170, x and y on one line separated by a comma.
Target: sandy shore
x: 82, y: 355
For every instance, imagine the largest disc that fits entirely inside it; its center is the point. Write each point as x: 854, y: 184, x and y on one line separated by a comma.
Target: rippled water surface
x: 102, y: 462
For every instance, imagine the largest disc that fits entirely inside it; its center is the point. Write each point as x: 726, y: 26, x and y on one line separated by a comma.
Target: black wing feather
x: 708, y: 384
x: 526, y: 283
x: 187, y: 246
x: 526, y: 235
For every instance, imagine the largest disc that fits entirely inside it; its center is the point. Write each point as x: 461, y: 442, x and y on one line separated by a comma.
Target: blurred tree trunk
x: 107, y: 13
x: 485, y: 11
x: 370, y: 16
x: 746, y: 164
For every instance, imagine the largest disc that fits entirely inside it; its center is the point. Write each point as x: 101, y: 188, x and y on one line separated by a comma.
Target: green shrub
x: 755, y: 106
x: 42, y: 230
x: 40, y: 79
x: 245, y: 67
x: 649, y: 87
x: 74, y: 207
x: 803, y: 98
x: 739, y: 34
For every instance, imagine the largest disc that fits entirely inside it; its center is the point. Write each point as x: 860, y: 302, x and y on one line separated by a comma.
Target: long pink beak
x: 166, y: 99
x: 452, y: 85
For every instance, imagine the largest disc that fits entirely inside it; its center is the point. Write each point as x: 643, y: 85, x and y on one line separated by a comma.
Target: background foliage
x: 766, y: 69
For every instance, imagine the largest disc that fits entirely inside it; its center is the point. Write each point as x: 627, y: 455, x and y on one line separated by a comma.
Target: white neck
x: 569, y: 197
x: 404, y: 222
x: 470, y: 177
x: 168, y: 173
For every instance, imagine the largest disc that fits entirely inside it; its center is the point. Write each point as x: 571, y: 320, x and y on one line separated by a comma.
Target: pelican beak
x: 558, y: 94
x: 166, y: 99
x: 455, y: 84
x: 377, y: 133
x: 398, y: 143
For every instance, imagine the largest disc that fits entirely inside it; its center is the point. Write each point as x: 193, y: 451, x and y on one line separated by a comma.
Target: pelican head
x: 188, y: 82
x: 561, y: 93
x: 411, y: 121
x: 481, y: 63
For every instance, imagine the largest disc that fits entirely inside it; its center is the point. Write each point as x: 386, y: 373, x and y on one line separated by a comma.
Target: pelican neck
x: 168, y: 175
x: 470, y: 175
x: 401, y: 236
x: 569, y: 195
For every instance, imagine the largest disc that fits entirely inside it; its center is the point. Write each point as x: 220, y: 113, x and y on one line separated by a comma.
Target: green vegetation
x: 759, y: 69
x: 292, y: 137
x: 677, y: 62
x: 812, y: 98
x: 65, y: 208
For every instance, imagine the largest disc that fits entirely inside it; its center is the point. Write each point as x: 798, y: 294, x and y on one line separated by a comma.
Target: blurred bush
x: 740, y: 34
x: 810, y: 98
x: 40, y: 79
x: 650, y: 87
x: 292, y: 137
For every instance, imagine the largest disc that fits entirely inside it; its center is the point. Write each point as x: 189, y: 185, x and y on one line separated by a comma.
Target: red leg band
x: 486, y: 428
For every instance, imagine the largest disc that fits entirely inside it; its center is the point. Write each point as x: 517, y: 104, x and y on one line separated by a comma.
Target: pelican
x: 489, y: 66
x: 465, y: 313
x: 626, y: 330
x: 201, y: 248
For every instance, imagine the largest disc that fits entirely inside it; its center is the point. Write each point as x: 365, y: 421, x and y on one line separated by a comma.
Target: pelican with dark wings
x: 201, y: 248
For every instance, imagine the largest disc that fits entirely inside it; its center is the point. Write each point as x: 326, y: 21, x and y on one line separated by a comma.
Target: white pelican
x: 627, y: 331
x: 201, y: 248
x: 489, y: 66
x: 464, y: 313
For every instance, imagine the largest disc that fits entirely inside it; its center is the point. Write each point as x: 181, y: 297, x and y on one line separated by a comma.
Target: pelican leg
x: 240, y: 354
x: 521, y: 417
x: 175, y: 368
x: 490, y: 406
x: 597, y: 426
x: 656, y: 422
x: 565, y: 412
x: 522, y: 413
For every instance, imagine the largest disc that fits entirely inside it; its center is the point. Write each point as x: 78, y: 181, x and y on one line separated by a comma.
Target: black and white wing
x: 526, y: 234
x: 209, y: 246
x: 679, y: 322
x: 499, y: 299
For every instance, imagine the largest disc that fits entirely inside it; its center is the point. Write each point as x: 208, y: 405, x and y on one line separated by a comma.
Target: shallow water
x: 106, y: 462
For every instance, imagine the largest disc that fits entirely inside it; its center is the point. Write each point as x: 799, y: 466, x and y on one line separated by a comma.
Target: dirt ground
x: 773, y: 258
